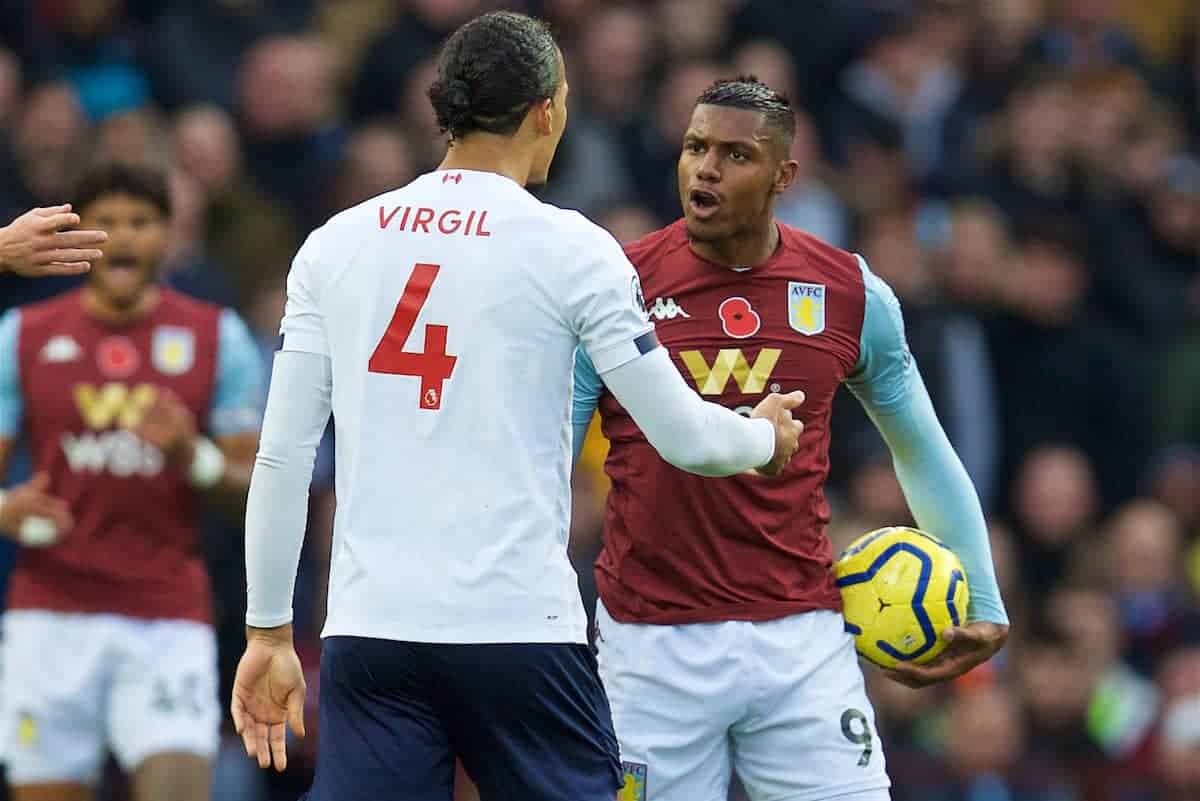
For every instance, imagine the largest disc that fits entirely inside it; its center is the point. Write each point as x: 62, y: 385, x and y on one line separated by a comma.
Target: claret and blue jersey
x: 75, y: 387
x: 681, y: 548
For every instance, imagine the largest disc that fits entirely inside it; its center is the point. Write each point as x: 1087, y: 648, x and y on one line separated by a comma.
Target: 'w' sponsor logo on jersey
x: 750, y: 378
x: 101, y: 407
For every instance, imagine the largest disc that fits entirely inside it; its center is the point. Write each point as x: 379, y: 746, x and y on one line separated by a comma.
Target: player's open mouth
x: 703, y: 203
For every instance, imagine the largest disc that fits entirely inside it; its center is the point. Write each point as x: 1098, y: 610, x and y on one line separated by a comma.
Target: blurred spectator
x: 418, y: 118
x: 1068, y: 377
x: 656, y: 143
x: 377, y: 159
x: 1122, y: 706
x: 193, y: 51
x: 246, y: 233
x: 771, y: 63
x: 92, y: 45
x: 876, y: 176
x: 975, y: 260
x: 903, y: 78
x: 1108, y: 103
x: 810, y: 204
x: 134, y: 137
x: 1145, y: 563
x: 1179, y: 750
x: 186, y: 266
x: 988, y: 755
x: 817, y: 33
x: 286, y: 98
x: 627, y: 223
x: 614, y: 61
x: 1087, y: 34
x: 10, y: 87
x: 49, y: 149
x: 394, y: 54
x: 1055, y: 505
x: 1004, y: 33
x: 693, y: 28
x: 1030, y: 174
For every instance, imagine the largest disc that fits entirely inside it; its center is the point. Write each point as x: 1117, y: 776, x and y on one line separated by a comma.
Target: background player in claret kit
x: 718, y: 634
x: 445, y: 351
x: 107, y: 639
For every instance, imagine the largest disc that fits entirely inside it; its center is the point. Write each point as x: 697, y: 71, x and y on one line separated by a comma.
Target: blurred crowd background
x: 1023, y: 172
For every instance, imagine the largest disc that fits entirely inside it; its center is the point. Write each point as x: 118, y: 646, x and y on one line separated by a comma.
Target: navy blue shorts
x: 528, y: 721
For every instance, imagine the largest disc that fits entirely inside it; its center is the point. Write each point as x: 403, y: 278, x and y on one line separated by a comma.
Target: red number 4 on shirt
x: 432, y: 365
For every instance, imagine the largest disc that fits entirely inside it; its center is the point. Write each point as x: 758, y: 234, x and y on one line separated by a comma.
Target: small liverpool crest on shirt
x: 173, y: 350
x: 806, y: 307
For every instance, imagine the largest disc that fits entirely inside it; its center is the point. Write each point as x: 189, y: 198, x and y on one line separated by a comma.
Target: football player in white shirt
x: 439, y: 322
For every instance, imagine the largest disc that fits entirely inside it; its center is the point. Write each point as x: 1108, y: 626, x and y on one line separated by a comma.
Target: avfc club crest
x: 633, y: 782
x: 806, y: 307
x: 173, y: 350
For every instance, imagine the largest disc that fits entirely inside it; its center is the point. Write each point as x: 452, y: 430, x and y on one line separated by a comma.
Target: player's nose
x: 709, y: 167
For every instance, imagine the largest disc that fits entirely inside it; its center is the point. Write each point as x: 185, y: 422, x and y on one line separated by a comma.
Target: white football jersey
x: 450, y: 310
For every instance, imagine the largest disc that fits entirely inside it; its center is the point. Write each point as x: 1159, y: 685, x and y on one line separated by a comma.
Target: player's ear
x: 785, y: 175
x: 544, y: 111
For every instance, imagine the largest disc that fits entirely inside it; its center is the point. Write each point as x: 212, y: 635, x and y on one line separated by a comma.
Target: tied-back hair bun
x: 491, y: 71
x: 458, y: 104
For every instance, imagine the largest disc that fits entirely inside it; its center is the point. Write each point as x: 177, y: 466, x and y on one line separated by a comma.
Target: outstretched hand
x: 268, y: 696
x: 38, y: 244
x: 968, y: 647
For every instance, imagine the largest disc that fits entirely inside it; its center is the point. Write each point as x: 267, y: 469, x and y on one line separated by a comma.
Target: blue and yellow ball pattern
x: 901, y: 588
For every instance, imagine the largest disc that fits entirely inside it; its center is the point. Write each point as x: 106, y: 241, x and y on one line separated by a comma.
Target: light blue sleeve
x: 240, y: 377
x: 588, y: 387
x: 936, y: 485
x: 11, y: 405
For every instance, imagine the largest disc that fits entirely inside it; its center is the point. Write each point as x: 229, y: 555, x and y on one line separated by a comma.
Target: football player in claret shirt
x: 719, y: 634
x: 108, y: 644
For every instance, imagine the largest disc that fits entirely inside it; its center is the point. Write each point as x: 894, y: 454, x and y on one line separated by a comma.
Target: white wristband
x: 208, y: 464
x: 35, y: 532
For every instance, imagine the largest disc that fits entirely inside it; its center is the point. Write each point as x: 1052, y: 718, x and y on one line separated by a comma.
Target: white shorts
x: 782, y: 702
x: 76, y: 686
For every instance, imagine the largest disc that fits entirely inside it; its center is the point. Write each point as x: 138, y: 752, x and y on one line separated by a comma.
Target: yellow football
x: 901, y: 588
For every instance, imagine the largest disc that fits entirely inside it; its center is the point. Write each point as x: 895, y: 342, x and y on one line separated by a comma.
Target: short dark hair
x: 118, y: 178
x: 748, y: 92
x: 491, y: 71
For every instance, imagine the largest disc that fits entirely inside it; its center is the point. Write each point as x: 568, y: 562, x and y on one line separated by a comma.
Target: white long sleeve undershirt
x: 688, y: 432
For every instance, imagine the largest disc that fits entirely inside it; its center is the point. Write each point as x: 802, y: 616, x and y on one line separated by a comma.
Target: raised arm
x: 936, y: 485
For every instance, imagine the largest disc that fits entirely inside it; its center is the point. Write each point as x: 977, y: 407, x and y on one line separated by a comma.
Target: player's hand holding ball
x: 905, y: 599
x: 778, y: 409
x: 32, y: 516
x: 967, y: 647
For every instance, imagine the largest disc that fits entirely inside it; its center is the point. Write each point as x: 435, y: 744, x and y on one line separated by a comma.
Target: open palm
x: 268, y: 696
